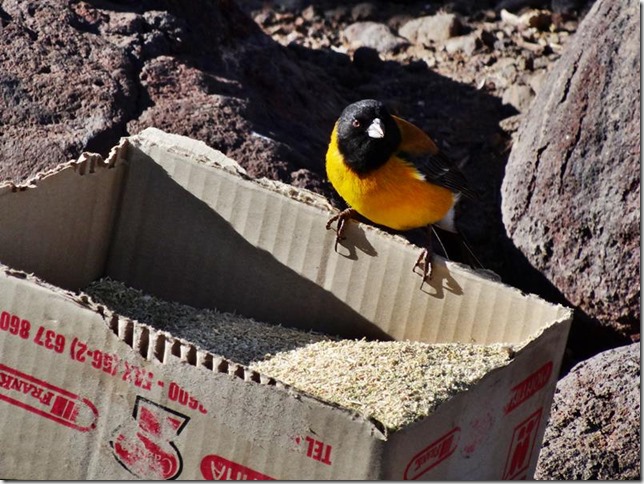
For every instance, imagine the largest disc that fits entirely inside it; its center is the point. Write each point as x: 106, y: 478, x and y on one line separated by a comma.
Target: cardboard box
x: 87, y: 394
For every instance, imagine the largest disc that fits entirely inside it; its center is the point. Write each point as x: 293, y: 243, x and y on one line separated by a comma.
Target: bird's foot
x: 424, y: 263
x: 342, y: 219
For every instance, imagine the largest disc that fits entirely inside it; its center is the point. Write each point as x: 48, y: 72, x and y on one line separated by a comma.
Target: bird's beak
x: 376, y: 129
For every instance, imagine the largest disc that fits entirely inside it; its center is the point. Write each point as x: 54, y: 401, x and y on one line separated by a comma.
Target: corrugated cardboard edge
x: 208, y: 156
x: 204, y: 154
x: 186, y: 150
x: 152, y: 144
x: 89, y: 162
x: 198, y: 151
x: 161, y: 346
x: 86, y: 163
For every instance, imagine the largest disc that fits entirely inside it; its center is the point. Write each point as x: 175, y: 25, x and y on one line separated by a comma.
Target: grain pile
x: 234, y: 337
x: 395, y: 382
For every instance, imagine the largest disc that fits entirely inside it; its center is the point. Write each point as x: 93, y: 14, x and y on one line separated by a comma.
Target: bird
x: 392, y: 173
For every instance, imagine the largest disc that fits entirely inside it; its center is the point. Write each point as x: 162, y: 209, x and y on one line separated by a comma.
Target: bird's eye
x: 356, y: 123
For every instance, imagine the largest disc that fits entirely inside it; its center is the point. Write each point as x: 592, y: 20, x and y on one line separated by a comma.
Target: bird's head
x: 367, y: 135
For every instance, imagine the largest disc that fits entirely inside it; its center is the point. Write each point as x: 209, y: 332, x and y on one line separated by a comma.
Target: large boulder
x: 63, y: 89
x: 78, y: 75
x: 571, y: 193
x: 594, y: 427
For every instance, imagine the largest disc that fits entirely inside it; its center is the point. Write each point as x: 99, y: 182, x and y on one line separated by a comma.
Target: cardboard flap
x: 205, y: 235
x: 59, y: 228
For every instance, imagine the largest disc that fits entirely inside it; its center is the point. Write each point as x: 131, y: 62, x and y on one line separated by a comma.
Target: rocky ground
x: 264, y: 81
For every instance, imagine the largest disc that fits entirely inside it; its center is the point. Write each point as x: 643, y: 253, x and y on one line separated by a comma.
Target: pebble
x: 432, y: 28
x: 535, y: 80
x: 363, y: 11
x: 375, y: 35
x: 519, y: 96
x: 309, y: 13
x: 466, y: 44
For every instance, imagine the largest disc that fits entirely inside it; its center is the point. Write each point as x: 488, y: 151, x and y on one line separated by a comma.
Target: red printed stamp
x: 432, y: 455
x: 216, y: 468
x: 144, y: 445
x: 528, y: 387
x: 316, y: 449
x: 42, y: 398
x: 479, y: 431
x: 521, y: 447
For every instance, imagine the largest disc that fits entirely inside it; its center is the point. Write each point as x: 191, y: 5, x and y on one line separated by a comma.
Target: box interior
x: 177, y: 219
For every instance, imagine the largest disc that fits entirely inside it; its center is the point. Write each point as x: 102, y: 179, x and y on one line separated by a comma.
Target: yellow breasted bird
x: 392, y: 173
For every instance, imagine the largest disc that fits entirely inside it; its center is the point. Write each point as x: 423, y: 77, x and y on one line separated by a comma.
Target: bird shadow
x: 441, y: 280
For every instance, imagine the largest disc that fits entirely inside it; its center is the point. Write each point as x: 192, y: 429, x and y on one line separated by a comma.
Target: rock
x: 593, y: 432
x: 76, y: 76
x: 519, y: 96
x: 62, y: 90
x: 363, y: 11
x: 373, y: 34
x: 538, y: 19
x: 510, y: 19
x: 535, y: 80
x: 464, y: 43
x: 432, y: 28
x: 571, y: 192
x: 309, y: 13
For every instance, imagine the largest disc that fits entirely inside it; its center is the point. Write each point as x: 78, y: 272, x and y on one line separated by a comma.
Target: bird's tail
x: 455, y: 247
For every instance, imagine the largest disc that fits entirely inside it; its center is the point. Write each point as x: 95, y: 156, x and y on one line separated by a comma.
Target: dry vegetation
x: 395, y: 382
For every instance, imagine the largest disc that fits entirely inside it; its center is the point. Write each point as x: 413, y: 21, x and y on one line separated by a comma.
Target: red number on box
x: 145, y: 447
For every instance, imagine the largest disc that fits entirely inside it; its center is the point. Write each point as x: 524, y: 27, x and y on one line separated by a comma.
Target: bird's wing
x: 420, y: 150
x: 440, y: 170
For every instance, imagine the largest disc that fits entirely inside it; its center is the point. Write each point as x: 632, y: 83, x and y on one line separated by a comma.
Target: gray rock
x: 519, y: 96
x: 363, y: 11
x: 535, y: 79
x: 464, y: 43
x: 61, y: 90
x: 593, y: 432
x: 373, y: 34
x: 432, y: 28
x: 571, y: 192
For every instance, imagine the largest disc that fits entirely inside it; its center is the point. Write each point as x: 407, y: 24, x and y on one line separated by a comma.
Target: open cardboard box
x: 87, y: 394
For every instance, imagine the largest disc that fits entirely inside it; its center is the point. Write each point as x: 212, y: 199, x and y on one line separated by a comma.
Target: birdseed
x: 394, y: 382
x: 237, y: 338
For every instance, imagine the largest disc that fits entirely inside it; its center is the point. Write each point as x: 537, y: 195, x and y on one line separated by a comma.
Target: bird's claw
x: 342, y: 219
x: 424, y: 262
